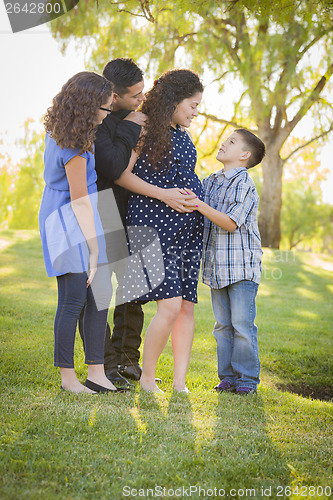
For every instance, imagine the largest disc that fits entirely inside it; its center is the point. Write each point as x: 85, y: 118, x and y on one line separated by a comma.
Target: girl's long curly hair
x: 170, y: 89
x: 72, y: 119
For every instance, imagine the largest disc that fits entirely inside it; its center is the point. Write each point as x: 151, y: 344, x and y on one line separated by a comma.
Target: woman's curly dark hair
x: 71, y: 120
x: 170, y: 89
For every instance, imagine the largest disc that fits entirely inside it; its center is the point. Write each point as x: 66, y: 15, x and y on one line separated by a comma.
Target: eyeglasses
x: 109, y: 110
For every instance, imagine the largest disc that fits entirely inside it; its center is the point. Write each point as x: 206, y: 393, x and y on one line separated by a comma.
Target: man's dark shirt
x: 115, y: 139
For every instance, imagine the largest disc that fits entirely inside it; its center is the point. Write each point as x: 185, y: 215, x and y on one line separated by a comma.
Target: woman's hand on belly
x: 177, y: 198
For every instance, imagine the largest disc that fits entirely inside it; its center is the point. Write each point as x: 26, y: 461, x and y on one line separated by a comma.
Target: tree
x: 281, y: 52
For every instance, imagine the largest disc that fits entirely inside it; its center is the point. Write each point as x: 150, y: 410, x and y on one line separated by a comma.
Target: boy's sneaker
x: 225, y: 386
x: 244, y: 391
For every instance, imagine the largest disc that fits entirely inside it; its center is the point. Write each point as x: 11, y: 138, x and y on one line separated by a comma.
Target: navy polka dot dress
x: 180, y: 234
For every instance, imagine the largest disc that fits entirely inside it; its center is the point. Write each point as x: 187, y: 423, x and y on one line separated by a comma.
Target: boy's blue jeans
x: 236, y: 334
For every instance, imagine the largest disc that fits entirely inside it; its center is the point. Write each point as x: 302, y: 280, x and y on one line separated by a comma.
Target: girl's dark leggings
x: 73, y: 295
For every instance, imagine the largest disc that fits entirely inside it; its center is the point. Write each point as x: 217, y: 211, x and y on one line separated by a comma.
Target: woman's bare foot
x: 149, y: 385
x: 179, y: 385
x: 183, y: 389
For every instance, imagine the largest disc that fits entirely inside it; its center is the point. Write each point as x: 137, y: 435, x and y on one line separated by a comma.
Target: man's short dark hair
x: 123, y: 73
x: 255, y: 145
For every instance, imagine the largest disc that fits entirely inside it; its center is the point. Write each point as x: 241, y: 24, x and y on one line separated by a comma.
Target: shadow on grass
x: 168, y: 440
x: 231, y: 451
x: 248, y: 456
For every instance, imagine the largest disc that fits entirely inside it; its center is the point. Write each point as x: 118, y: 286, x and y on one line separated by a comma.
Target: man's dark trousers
x: 123, y: 346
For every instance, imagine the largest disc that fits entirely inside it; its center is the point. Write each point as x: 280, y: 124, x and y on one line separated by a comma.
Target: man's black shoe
x: 118, y: 381
x: 132, y: 372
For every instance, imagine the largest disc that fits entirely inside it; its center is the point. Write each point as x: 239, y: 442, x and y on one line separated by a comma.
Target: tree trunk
x: 271, y: 198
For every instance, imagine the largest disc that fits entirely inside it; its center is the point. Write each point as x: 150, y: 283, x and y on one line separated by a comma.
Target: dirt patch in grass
x: 322, y: 393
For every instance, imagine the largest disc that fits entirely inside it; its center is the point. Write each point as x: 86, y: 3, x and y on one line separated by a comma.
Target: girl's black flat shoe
x: 99, y: 388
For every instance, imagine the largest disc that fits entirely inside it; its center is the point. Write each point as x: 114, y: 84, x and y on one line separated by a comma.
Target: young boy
x: 231, y: 261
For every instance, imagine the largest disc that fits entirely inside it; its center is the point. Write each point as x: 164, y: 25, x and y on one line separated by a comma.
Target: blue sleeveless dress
x: 180, y: 234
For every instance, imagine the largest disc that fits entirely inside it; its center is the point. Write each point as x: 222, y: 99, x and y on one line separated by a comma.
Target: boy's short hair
x: 123, y: 73
x: 255, y: 145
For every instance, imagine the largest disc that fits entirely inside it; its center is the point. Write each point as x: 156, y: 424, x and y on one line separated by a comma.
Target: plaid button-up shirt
x: 231, y: 257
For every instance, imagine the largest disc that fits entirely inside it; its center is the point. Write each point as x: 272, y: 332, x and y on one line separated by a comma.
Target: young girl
x: 167, y: 160
x: 70, y: 228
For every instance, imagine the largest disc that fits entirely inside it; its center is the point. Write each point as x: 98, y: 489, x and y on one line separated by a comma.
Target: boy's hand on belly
x: 193, y: 203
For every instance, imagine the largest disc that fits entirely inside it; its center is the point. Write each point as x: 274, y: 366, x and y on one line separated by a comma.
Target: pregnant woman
x: 167, y: 159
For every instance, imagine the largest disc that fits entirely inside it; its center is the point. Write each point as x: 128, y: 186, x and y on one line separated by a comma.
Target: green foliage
x: 304, y: 218
x: 275, y: 56
x: 23, y: 184
x: 306, y: 222
x: 5, y: 186
x: 261, y: 43
x: 56, y: 445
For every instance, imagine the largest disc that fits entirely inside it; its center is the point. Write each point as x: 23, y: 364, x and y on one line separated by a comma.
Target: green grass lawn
x: 278, y: 444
